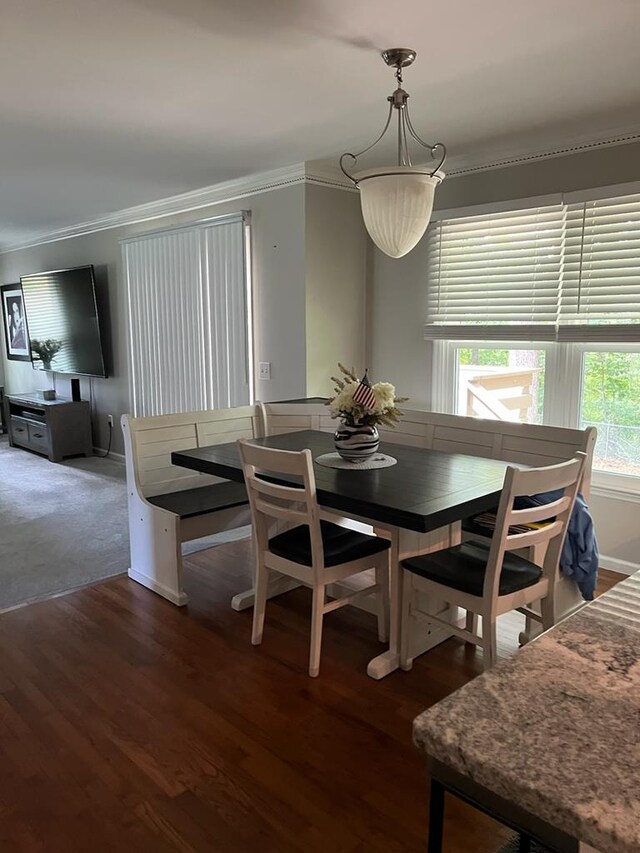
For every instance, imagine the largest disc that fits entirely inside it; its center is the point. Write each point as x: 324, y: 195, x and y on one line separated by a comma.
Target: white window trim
x: 563, y: 392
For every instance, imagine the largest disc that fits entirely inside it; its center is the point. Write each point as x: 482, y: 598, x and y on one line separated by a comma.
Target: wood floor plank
x: 129, y: 724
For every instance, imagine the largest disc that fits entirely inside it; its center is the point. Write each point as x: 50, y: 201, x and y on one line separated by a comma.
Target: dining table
x: 418, y: 503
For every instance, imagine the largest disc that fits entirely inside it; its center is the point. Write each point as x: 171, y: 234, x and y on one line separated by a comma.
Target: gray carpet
x: 64, y: 525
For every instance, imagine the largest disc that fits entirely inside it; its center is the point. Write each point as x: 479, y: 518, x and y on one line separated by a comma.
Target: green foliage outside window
x: 611, y: 388
x: 485, y: 357
x: 610, y: 398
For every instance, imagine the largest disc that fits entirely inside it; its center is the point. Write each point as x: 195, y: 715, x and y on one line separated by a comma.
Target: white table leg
x: 278, y: 584
x: 406, y: 543
x: 390, y: 660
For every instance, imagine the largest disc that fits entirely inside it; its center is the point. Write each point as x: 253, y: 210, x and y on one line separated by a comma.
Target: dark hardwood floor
x: 127, y: 724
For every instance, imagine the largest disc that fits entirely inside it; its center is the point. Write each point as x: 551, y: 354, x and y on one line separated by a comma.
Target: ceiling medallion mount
x: 399, y: 57
x: 397, y: 200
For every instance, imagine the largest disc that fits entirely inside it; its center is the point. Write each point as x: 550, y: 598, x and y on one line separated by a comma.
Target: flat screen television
x: 62, y: 315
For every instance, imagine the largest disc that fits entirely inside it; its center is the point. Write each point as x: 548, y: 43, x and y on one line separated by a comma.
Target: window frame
x: 562, y: 391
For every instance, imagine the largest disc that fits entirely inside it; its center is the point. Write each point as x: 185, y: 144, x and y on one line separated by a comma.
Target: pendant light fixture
x: 397, y: 200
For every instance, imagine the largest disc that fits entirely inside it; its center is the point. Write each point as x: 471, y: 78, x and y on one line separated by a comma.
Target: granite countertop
x: 556, y: 728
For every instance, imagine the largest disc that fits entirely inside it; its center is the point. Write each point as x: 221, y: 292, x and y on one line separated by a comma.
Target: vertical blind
x: 188, y: 318
x: 566, y: 272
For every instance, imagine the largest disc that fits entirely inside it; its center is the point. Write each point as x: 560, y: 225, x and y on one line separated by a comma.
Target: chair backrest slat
x: 534, y: 514
x: 284, y: 512
x: 515, y: 541
x: 295, y: 504
x: 566, y: 476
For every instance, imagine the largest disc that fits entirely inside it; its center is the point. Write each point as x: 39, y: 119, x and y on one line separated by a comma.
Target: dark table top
x: 424, y: 491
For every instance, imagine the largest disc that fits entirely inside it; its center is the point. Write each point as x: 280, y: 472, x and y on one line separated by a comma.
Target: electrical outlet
x: 110, y: 420
x: 264, y: 370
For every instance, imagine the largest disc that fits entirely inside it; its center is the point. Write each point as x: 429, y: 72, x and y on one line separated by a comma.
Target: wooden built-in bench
x: 169, y: 505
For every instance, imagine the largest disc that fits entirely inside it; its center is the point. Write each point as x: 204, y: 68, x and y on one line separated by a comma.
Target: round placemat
x: 377, y: 460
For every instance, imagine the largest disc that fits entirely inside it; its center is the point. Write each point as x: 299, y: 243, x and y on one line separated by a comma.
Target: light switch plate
x: 264, y: 370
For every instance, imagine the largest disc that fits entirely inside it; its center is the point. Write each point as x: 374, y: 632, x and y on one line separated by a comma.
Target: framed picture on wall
x: 15, y: 323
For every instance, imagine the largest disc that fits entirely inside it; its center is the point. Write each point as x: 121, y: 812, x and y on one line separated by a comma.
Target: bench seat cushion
x: 463, y: 567
x: 340, y: 544
x: 203, y: 499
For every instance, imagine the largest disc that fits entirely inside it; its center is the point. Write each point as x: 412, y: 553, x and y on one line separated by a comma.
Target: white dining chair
x: 488, y: 580
x: 315, y: 552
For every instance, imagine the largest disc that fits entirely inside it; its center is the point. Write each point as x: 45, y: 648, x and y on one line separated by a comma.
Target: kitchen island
x: 549, y: 740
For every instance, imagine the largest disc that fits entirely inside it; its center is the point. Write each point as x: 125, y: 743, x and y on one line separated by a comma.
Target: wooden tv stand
x: 54, y: 428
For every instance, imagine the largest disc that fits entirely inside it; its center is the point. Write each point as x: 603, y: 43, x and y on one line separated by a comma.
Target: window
x: 610, y: 401
x: 502, y: 383
x: 564, y: 277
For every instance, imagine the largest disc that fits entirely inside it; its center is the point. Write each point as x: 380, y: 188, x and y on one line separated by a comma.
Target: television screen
x: 62, y: 321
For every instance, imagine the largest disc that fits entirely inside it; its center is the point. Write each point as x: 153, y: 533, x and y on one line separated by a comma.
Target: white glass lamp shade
x: 396, y: 206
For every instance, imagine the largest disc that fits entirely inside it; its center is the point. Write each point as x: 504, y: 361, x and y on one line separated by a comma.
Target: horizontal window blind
x: 555, y: 272
x: 600, y: 285
x: 499, y: 270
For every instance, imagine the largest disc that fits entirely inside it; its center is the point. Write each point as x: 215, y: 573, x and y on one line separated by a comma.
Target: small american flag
x: 364, y: 393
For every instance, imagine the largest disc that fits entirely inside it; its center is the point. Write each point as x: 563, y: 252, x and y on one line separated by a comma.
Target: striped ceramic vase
x: 356, y: 443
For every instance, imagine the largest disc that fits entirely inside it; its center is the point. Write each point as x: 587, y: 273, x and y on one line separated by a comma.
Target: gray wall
x: 601, y: 167
x: 398, y: 298
x: 278, y: 237
x: 309, y: 289
x: 336, y: 246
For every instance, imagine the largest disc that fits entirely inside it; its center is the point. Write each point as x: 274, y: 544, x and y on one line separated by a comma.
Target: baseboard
x: 160, y: 589
x: 117, y: 457
x: 624, y: 567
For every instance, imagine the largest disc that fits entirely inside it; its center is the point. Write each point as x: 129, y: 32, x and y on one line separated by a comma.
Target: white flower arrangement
x: 382, y: 410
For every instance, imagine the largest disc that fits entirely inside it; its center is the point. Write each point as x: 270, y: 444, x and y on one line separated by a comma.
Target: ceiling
x: 106, y: 105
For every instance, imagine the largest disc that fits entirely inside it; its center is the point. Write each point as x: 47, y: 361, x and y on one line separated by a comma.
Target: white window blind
x: 600, y: 285
x: 188, y: 318
x: 498, y: 270
x: 565, y: 272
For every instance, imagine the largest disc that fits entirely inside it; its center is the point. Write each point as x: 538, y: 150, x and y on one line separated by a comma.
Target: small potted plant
x: 46, y: 351
x: 361, y: 406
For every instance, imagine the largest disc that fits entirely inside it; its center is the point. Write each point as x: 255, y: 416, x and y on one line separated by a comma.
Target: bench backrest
x: 529, y: 444
x: 149, y: 443
x: 293, y: 417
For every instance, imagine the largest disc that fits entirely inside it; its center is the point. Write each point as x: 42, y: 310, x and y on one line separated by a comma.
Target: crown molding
x: 321, y: 173
x: 233, y: 190
x: 327, y: 173
x: 460, y: 166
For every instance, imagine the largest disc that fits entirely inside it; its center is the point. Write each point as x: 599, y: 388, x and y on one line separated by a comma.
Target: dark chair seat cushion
x: 341, y: 545
x: 464, y: 566
x: 203, y: 499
